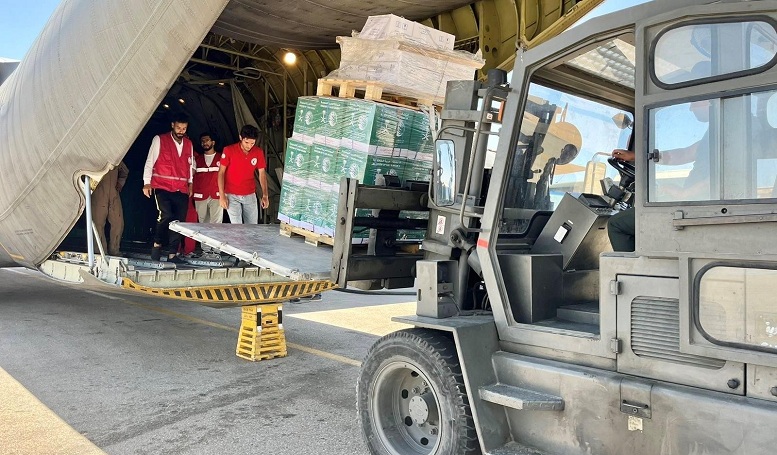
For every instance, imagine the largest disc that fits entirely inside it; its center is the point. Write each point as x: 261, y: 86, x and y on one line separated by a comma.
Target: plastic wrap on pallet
x: 404, y: 68
x: 360, y: 139
x: 389, y: 26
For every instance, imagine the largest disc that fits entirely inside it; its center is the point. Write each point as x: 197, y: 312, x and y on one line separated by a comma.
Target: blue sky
x: 22, y: 20
x: 20, y: 23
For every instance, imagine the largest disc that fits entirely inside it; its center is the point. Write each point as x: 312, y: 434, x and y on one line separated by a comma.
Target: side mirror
x: 622, y: 121
x: 444, y: 173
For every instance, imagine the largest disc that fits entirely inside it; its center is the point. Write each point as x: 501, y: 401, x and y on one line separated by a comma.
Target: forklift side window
x: 678, y: 51
x: 701, y: 160
x: 735, y: 306
x: 562, y: 146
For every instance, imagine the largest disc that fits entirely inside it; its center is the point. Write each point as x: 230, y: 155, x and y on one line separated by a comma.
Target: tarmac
x: 91, y: 372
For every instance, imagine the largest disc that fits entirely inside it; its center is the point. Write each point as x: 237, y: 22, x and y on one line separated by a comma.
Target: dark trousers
x: 620, y: 228
x: 172, y: 206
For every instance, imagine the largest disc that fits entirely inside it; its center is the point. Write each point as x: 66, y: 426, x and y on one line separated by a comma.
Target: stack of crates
x: 347, y: 137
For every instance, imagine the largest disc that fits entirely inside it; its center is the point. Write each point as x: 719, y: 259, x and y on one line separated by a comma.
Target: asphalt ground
x: 85, y: 372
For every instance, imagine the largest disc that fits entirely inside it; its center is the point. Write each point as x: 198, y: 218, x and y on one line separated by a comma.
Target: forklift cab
x: 670, y: 349
x: 702, y: 124
x: 700, y: 90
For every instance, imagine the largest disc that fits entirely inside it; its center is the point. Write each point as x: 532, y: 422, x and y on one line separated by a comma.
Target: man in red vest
x: 206, y: 186
x: 206, y: 182
x: 168, y: 174
x: 237, y: 186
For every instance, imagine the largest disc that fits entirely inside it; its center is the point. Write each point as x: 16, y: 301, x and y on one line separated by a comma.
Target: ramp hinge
x: 615, y: 287
x: 615, y: 345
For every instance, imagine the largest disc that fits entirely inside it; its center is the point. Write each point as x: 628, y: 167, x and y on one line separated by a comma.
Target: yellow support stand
x: 261, y: 333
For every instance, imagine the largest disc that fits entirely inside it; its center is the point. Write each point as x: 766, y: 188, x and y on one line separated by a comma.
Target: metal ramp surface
x: 263, y: 246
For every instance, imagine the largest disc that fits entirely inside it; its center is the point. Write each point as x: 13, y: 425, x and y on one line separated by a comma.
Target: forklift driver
x: 621, y: 226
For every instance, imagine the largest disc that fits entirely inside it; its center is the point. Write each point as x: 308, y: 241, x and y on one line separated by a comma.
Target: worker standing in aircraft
x: 206, y: 182
x: 168, y: 175
x: 237, y: 186
x: 106, y: 206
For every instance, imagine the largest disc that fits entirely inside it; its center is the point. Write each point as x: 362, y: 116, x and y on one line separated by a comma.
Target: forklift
x: 531, y: 336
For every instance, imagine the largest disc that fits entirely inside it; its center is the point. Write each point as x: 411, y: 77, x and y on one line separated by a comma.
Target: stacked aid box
x: 344, y: 137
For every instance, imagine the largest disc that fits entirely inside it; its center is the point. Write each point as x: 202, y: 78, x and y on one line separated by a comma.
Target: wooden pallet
x: 374, y: 91
x: 311, y: 238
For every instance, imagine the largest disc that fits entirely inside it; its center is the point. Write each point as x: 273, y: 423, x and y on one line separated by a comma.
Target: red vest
x: 171, y: 172
x: 206, y: 179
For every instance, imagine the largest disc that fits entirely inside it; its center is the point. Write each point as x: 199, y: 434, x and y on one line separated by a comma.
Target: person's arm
x: 624, y: 155
x: 681, y: 155
x: 223, y: 202
x: 263, y: 184
x: 148, y: 169
x: 123, y: 174
x: 191, y: 171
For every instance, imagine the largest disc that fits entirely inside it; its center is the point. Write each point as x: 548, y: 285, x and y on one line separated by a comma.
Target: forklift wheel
x: 412, y: 399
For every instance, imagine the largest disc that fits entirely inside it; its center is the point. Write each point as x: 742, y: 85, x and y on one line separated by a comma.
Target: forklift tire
x: 411, y: 397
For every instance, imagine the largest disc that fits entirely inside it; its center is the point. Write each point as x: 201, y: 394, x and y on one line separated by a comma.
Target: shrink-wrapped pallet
x: 360, y: 139
x: 404, y: 68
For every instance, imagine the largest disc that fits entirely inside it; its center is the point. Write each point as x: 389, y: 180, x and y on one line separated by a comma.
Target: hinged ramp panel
x: 263, y: 246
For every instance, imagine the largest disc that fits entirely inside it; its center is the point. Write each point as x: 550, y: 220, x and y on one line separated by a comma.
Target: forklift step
x: 585, y: 313
x: 519, y: 398
x: 514, y: 448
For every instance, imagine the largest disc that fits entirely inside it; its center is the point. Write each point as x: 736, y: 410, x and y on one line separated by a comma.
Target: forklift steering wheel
x: 625, y: 168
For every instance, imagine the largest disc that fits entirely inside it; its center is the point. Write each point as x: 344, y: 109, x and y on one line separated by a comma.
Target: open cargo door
x: 541, y: 20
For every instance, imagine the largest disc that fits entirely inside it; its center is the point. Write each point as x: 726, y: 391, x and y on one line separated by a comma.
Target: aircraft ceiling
x: 314, y: 24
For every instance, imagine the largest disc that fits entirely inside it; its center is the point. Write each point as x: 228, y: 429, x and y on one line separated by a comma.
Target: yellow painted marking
x: 178, y: 315
x: 324, y: 354
x: 375, y: 320
x: 29, y: 427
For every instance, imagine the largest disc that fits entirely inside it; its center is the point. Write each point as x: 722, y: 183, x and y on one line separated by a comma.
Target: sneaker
x: 243, y: 264
x: 314, y: 298
x: 176, y: 260
x: 211, y: 256
x: 156, y: 253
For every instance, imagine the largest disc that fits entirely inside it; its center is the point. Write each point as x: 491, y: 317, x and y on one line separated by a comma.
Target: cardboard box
x: 306, y: 119
x: 370, y: 123
x: 323, y: 165
x: 332, y: 113
x: 297, y: 160
x: 389, y: 26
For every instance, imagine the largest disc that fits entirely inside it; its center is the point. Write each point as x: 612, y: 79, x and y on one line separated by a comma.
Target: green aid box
x: 371, y: 123
x: 418, y: 167
x: 329, y: 213
x: 421, y: 135
x: 379, y: 166
x: 333, y: 112
x: 412, y: 234
x: 323, y: 164
x: 405, y: 124
x: 317, y: 207
x: 307, y: 118
x: 289, y: 209
x: 297, y: 160
x: 351, y: 164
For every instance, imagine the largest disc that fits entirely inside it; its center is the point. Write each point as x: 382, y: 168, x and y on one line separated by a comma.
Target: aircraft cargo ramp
x: 276, y: 268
